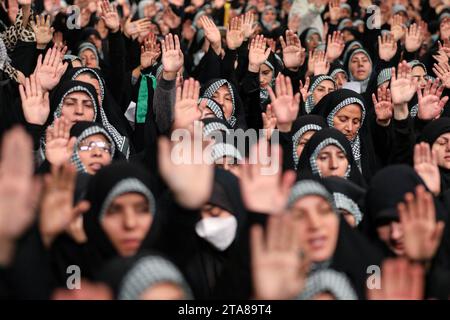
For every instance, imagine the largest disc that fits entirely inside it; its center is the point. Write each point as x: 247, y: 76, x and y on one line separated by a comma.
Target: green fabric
x: 142, y: 101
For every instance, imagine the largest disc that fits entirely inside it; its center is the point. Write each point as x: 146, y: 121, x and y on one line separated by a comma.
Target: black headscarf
x: 329, y: 136
x: 362, y: 147
x: 198, y: 259
x: 347, y: 196
x: 84, y: 129
x: 430, y: 134
x: 353, y: 253
x: 129, y: 277
x: 237, y: 118
x: 57, y: 100
x: 315, y: 81
x: 302, y: 125
x: 110, y: 109
x: 110, y: 182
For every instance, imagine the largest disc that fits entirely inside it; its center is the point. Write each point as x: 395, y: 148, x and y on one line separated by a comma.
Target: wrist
x: 284, y: 127
x: 217, y: 47
x: 383, y: 123
x: 401, y: 111
x: 114, y: 30
x: 41, y: 46
x: 169, y: 75
x: 253, y: 67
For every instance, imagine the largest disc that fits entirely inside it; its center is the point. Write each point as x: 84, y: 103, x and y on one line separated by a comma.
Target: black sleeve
x: 402, y: 141
x: 250, y: 90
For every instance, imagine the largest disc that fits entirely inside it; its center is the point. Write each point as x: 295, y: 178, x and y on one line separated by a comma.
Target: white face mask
x: 220, y: 232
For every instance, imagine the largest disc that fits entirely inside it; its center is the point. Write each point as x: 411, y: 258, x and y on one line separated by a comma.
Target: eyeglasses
x: 103, y: 146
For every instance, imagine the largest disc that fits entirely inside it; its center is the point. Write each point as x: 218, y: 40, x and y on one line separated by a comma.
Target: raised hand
x: 191, y: 181
x: 321, y: 64
x: 186, y: 104
x: 269, y: 121
x: 235, y: 33
x: 304, y: 89
x: 335, y: 45
x: 442, y: 71
x: 212, y: 33
x: 57, y: 211
x: 247, y: 22
x: 403, y: 85
x: 383, y: 106
x: 398, y: 30
x: 413, y: 38
x: 430, y: 102
x: 58, y: 144
x: 150, y: 51
x: 172, y: 56
x: 264, y: 187
x: 133, y: 29
x: 335, y: 11
x: 285, y: 105
x: 50, y: 71
x: 258, y: 53
x: 42, y: 30
x: 35, y: 103
x: 19, y: 191
x: 400, y: 280
x: 277, y: 267
x: 293, y: 53
x: 425, y: 164
x: 387, y: 47
x: 421, y: 232
x: 110, y: 15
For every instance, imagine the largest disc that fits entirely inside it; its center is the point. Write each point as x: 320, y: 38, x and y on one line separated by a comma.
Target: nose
x: 79, y: 109
x: 396, y: 231
x: 129, y: 219
x: 313, y: 220
x: 349, y: 126
x: 333, y: 164
x: 97, y: 152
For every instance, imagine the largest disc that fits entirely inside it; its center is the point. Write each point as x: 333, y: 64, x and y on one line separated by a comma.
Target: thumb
x: 71, y: 144
x: 81, y: 208
x: 267, y: 53
x: 439, y: 231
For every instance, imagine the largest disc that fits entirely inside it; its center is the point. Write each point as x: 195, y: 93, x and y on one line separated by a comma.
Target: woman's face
x: 78, y: 106
x: 348, y: 120
x: 341, y: 79
x: 163, y: 291
x: 360, y: 66
x: 442, y: 149
x: 89, y: 59
x: 84, y: 77
x: 95, y: 153
x: 303, y: 141
x: 392, y: 235
x: 348, y: 36
x: 127, y: 222
x: 322, y: 90
x: 265, y: 76
x: 332, y: 161
x: 313, y: 41
x: 269, y: 16
x: 419, y: 73
x: 224, y: 99
x: 317, y: 227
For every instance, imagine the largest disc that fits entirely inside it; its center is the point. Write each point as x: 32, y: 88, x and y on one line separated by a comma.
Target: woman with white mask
x: 203, y: 242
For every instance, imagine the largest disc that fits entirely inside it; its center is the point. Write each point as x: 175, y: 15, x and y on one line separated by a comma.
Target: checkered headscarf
x: 209, y: 92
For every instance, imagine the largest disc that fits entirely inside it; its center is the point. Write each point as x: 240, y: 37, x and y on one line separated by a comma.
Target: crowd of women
x: 95, y: 205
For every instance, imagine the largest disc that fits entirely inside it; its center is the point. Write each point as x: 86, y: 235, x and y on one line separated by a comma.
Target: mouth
x: 131, y: 244
x: 95, y: 166
x: 317, y: 243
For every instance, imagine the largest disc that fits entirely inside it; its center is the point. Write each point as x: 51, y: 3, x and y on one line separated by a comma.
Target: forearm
x: 163, y: 102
